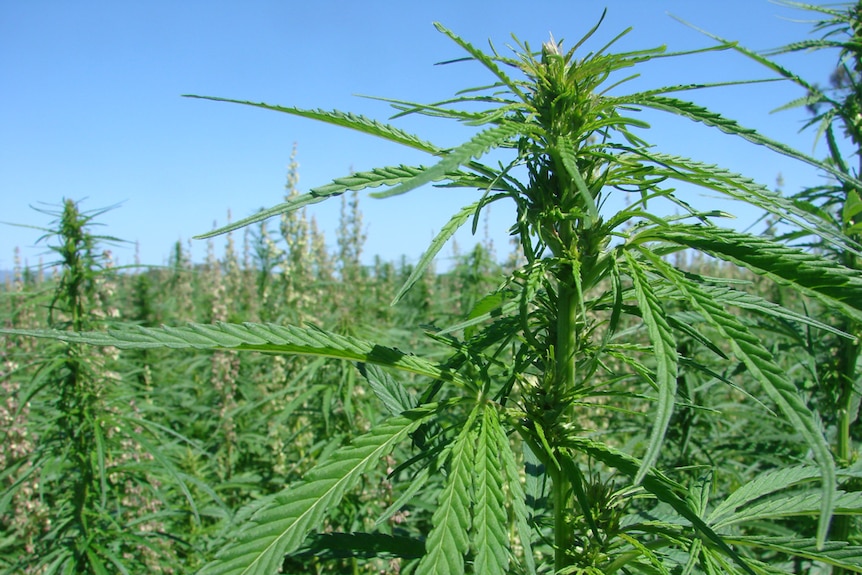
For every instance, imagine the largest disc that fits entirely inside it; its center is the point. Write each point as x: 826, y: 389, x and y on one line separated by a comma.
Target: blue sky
x: 92, y: 108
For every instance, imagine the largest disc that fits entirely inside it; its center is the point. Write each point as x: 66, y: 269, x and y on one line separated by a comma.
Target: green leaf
x: 806, y: 503
x: 354, y: 182
x: 762, y: 485
x: 664, y: 349
x: 745, y: 190
x: 345, y: 120
x: 570, y: 162
x: 664, y: 489
x: 475, y: 147
x: 281, y: 524
x: 852, y: 207
x: 747, y: 347
x: 744, y: 300
x: 836, y: 553
x: 490, y: 540
x: 437, y: 244
x: 486, y: 60
x: 518, y: 494
x: 448, y: 540
x: 270, y: 338
x: 833, y: 285
x: 394, y: 396
x: 700, y: 114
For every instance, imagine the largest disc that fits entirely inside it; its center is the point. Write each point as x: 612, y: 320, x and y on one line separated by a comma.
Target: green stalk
x: 566, y: 349
x: 848, y: 355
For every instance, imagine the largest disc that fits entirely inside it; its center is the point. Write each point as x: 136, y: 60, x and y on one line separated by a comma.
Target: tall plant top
x: 598, y: 321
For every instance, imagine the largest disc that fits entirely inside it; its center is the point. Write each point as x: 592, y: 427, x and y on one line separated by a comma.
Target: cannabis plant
x: 833, y: 367
x: 84, y: 487
x: 512, y: 433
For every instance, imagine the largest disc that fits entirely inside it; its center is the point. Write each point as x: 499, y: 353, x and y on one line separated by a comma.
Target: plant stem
x: 566, y: 349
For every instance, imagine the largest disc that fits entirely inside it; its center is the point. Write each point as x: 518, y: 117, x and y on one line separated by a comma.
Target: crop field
x: 616, y: 392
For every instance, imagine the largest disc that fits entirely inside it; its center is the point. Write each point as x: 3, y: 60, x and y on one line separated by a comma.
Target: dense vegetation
x: 627, y: 393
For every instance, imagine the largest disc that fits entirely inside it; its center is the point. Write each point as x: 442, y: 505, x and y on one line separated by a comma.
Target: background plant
x: 832, y: 377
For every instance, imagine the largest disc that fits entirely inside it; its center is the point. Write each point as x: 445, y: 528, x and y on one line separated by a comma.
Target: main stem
x: 847, y: 359
x: 565, y: 354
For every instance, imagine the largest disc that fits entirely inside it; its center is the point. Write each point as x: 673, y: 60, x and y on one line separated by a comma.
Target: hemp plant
x: 834, y: 366
x: 590, y: 323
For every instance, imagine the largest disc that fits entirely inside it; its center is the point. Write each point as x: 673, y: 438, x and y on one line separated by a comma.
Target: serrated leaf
x: 483, y: 58
x: 343, y: 119
x: 475, y: 147
x: 394, y: 396
x: 836, y: 553
x: 281, y: 524
x: 664, y: 349
x: 832, y: 284
x: 746, y: 190
x: 771, y: 377
x: 752, y: 302
x: 354, y: 182
x: 663, y: 488
x: 437, y: 244
x: 270, y: 338
x: 570, y: 163
x: 518, y: 496
x: 762, y: 485
x: 490, y: 540
x: 791, y: 505
x: 448, y: 541
x: 700, y: 114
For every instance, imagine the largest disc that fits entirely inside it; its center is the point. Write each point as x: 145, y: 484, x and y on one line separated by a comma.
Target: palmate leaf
x: 663, y: 488
x: 490, y: 540
x: 269, y: 338
x: 448, y: 540
x: 830, y: 283
x: 757, y: 359
x: 389, y: 176
x: 475, y: 147
x: 836, y: 553
x: 700, y: 114
x: 762, y: 485
x: 664, y: 349
x: 281, y: 524
x: 790, y: 505
x: 746, y: 190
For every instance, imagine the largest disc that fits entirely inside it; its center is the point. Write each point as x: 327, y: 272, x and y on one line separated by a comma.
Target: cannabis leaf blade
x: 269, y: 338
x: 448, y: 540
x: 389, y: 176
x: 475, y: 147
x: 490, y: 541
x: 343, y: 119
x: 437, y: 244
x: 664, y: 350
x: 770, y: 376
x: 282, y: 523
x: 832, y: 284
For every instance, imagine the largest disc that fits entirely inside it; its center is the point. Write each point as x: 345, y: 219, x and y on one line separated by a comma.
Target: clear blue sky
x: 92, y: 108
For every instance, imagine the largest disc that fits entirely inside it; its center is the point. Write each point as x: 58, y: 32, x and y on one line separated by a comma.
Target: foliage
x: 628, y: 398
